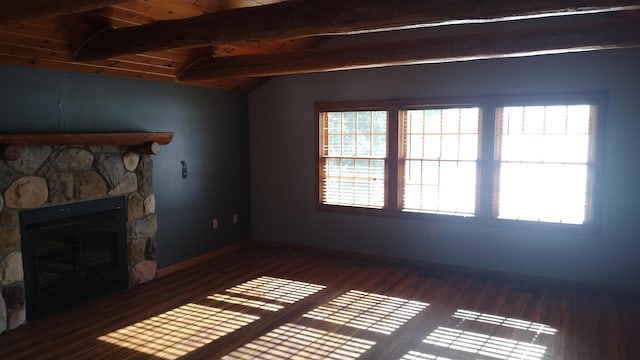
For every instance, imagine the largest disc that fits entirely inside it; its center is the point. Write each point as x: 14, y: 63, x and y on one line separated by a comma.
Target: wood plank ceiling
x: 237, y: 44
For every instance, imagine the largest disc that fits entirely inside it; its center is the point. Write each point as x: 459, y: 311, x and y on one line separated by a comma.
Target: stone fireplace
x: 46, y: 176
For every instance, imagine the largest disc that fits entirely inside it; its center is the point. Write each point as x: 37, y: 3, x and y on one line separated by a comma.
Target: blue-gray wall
x: 283, y: 159
x: 211, y: 135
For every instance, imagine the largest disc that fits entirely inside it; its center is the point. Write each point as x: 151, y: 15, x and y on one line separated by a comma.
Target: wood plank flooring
x: 269, y: 302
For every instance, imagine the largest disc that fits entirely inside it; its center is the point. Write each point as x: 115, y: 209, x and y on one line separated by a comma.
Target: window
x: 439, y: 159
x: 543, y: 162
x: 491, y: 160
x: 354, y: 158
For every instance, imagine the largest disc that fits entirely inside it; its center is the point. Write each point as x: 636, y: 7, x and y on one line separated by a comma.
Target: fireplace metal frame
x: 74, y: 215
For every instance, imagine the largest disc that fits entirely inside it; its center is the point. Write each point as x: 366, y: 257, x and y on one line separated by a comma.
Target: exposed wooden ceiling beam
x: 558, y: 39
x: 302, y: 18
x: 14, y: 11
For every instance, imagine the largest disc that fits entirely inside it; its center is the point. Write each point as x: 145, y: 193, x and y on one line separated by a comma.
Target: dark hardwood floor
x: 269, y: 302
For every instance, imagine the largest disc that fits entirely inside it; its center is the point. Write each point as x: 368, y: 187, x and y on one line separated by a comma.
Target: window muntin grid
x: 354, y: 158
x: 439, y: 160
x: 543, y: 158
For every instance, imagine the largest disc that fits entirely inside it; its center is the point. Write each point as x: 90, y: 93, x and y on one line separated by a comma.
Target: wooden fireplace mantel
x: 148, y: 142
x: 123, y: 138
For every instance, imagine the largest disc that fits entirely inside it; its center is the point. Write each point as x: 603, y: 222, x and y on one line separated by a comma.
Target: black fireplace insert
x: 73, y: 253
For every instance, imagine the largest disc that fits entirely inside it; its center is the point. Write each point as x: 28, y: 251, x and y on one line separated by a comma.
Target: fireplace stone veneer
x: 54, y: 175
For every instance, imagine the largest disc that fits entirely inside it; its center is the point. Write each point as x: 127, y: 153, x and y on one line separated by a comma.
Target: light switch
x: 184, y: 169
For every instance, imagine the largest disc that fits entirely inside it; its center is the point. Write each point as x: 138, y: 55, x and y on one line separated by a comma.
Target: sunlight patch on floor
x: 415, y: 355
x: 373, y: 312
x: 486, y: 345
x: 504, y: 321
x: 178, y: 332
x: 246, y: 302
x: 185, y: 329
x: 283, y: 290
x: 292, y: 341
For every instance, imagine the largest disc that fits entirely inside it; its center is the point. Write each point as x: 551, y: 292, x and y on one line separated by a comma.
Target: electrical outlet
x: 235, y: 219
x: 214, y: 223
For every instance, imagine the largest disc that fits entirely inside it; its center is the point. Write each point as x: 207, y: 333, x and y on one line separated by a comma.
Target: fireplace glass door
x: 73, y: 253
x: 65, y: 262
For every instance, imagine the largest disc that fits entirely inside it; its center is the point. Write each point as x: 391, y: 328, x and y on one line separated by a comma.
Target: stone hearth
x: 53, y: 175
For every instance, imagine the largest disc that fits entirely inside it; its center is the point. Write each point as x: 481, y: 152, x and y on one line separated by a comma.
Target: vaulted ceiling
x: 237, y: 44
